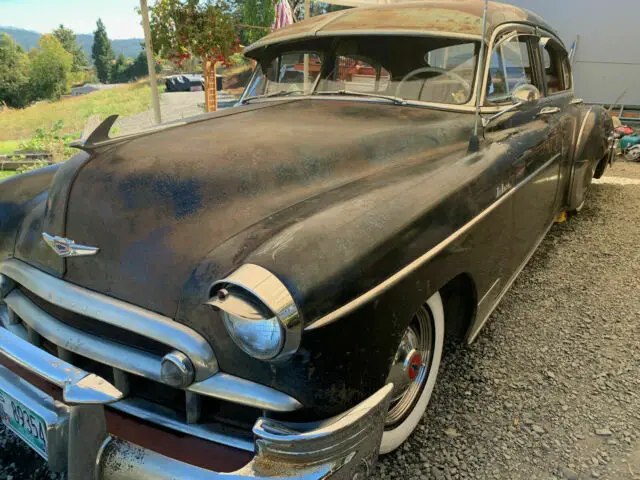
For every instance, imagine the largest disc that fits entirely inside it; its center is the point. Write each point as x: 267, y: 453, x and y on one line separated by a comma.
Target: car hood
x: 158, y: 204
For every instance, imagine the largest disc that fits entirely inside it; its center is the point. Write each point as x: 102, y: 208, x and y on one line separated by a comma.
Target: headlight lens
x: 258, y: 312
x: 260, y: 338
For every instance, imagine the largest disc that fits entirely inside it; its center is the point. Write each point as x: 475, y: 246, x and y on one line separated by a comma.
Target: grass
x: 8, y: 147
x: 128, y: 100
x: 4, y: 174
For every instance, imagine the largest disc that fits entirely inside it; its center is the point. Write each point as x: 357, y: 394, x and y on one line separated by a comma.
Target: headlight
x: 258, y: 312
x: 260, y: 337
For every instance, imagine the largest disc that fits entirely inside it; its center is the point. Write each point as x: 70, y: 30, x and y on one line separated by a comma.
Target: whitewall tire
x: 409, y: 404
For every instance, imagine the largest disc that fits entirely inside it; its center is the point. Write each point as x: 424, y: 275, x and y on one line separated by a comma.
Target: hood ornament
x: 68, y: 248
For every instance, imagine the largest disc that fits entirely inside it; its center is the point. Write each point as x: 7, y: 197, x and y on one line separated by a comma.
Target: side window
x: 557, y: 73
x: 510, y: 67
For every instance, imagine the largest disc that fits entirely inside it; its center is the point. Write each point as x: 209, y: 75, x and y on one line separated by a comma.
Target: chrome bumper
x: 343, y: 447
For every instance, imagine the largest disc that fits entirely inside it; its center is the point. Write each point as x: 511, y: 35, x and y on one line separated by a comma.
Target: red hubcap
x: 414, y: 366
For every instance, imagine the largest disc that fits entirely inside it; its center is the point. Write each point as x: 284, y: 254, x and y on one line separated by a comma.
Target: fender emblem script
x: 68, y: 248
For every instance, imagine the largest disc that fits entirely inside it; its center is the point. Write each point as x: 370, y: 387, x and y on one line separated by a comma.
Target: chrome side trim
x: 486, y: 295
x: 99, y: 349
x: 77, y: 385
x: 473, y: 334
x: 418, y: 262
x: 152, y: 413
x: 237, y: 390
x: 117, y: 313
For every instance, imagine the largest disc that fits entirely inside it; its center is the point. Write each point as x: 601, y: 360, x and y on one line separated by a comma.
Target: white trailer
x: 607, y: 57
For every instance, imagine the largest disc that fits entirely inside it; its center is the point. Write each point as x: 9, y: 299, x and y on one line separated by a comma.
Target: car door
x: 558, y: 91
x: 530, y: 138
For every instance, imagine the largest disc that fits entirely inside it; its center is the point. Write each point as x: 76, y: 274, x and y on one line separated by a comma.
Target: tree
x: 139, y: 68
x: 257, y: 13
x: 68, y: 40
x: 50, y: 68
x: 14, y: 73
x: 102, y: 52
x: 182, y: 29
x: 119, y: 69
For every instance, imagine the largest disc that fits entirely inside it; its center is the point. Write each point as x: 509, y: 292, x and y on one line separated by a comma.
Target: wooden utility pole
x: 155, y: 99
x: 307, y: 16
x: 210, y: 85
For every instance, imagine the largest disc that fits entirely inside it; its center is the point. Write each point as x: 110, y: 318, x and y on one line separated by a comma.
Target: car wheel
x: 413, y: 373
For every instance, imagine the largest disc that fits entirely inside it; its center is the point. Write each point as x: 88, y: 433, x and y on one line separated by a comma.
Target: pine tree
x: 68, y: 40
x: 102, y: 52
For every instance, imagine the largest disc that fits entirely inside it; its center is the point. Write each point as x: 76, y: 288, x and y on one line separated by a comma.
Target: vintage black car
x: 265, y: 290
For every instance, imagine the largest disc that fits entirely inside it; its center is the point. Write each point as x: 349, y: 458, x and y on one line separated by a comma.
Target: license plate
x: 24, y: 422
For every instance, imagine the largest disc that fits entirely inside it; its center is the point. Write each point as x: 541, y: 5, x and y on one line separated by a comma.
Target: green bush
x: 50, y: 141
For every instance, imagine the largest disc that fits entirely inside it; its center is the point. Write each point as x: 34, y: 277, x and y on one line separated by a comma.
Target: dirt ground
x: 551, y: 388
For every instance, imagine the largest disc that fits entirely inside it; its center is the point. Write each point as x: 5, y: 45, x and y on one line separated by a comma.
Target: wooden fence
x: 17, y: 160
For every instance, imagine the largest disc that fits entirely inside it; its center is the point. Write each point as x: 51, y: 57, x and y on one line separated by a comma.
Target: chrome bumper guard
x: 343, y: 447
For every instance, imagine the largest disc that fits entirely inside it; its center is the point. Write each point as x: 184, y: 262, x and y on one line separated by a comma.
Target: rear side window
x: 509, y: 68
x: 557, y: 73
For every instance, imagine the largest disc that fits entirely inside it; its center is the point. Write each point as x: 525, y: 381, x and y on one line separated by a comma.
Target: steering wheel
x: 441, y: 71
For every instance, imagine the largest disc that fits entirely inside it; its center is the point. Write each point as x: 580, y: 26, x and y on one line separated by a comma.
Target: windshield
x: 434, y: 70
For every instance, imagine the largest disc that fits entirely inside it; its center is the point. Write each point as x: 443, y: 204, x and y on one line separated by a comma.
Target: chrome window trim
x: 542, y: 46
x: 418, y: 262
x: 466, y: 108
x: 495, y: 40
x: 115, y: 312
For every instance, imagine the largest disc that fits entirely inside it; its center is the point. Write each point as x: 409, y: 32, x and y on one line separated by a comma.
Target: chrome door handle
x: 548, y: 111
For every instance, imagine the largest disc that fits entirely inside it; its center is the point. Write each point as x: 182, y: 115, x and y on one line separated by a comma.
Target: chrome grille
x: 31, y: 301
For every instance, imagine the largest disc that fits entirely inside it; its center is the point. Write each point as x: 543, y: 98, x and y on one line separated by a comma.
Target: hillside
x: 28, y: 39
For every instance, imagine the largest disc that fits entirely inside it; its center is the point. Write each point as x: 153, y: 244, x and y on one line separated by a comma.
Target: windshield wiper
x: 282, y: 93
x: 395, y: 100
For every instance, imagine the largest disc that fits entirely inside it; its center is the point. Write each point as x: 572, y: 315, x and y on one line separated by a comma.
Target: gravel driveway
x: 551, y: 388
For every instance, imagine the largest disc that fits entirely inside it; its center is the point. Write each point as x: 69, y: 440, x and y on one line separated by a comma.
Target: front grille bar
x: 99, y: 349
x: 124, y: 359
x: 78, y: 386
x: 117, y: 313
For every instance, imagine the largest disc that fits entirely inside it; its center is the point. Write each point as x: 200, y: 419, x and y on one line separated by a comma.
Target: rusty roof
x: 405, y: 17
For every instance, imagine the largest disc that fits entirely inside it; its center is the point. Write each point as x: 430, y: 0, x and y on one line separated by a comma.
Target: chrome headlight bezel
x: 254, y: 294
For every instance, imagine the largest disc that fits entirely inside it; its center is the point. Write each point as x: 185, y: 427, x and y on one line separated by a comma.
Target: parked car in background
x: 188, y: 82
x: 266, y: 290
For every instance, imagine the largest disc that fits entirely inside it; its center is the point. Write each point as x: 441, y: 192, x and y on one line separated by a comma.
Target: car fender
x: 18, y: 196
x: 590, y: 149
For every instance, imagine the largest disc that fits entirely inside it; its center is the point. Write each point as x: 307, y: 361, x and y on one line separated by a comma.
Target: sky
x: 119, y: 16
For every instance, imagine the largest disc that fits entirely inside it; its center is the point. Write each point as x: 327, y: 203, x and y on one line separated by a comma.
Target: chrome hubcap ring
x: 411, y: 366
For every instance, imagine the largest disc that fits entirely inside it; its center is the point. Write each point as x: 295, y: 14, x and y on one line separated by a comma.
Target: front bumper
x: 343, y: 447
